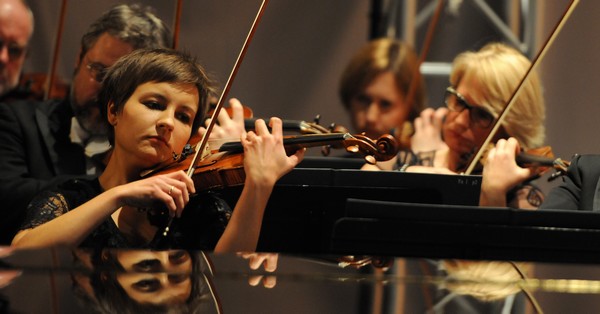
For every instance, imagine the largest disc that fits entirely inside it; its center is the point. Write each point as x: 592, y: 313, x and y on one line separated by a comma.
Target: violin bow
x: 222, y: 98
x: 424, y: 51
x: 59, y: 32
x: 513, y: 98
x: 227, y: 87
x: 403, y: 136
x: 177, y: 24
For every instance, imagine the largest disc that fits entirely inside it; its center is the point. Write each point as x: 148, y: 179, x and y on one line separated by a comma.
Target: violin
x: 541, y: 163
x: 222, y: 166
x: 540, y: 160
x: 211, y: 168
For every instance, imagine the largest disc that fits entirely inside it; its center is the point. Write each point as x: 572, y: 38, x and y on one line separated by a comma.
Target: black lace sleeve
x: 203, y: 222
x: 43, y: 208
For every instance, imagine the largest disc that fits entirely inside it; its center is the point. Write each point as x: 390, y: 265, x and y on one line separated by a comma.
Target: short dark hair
x: 131, y: 23
x: 161, y: 65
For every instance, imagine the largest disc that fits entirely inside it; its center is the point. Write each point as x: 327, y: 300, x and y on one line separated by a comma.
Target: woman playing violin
x: 154, y: 101
x: 481, y: 84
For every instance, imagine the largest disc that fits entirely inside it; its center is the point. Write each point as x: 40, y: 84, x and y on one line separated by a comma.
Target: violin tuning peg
x: 352, y: 149
x: 317, y: 119
x: 326, y: 150
x: 187, y: 150
x: 370, y: 159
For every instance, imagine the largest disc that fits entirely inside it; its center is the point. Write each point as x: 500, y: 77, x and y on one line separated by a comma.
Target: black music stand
x: 466, y: 232
x: 307, y: 202
x: 327, y: 162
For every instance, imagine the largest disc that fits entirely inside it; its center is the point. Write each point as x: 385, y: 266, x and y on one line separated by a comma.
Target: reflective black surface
x: 108, y: 281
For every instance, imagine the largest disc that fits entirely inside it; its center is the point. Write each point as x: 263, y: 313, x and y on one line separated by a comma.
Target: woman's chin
x: 154, y: 159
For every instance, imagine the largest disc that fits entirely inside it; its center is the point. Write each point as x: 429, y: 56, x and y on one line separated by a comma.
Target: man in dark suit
x: 45, y: 143
x: 581, y: 187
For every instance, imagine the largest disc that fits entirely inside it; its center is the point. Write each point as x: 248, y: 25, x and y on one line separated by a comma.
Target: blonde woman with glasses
x: 481, y: 84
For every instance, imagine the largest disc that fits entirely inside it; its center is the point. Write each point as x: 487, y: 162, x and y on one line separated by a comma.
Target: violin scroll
x: 385, y: 148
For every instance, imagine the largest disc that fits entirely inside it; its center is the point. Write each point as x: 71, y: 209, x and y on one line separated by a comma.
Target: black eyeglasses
x: 14, y: 51
x: 97, y: 71
x: 457, y: 103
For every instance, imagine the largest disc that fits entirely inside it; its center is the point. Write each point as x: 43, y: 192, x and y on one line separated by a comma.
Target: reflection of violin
x: 222, y: 166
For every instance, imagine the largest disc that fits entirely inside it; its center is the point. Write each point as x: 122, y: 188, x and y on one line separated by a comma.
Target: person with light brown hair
x: 375, y: 85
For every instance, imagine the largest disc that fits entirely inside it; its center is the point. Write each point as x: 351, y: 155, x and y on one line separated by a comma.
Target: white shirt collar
x: 92, y: 144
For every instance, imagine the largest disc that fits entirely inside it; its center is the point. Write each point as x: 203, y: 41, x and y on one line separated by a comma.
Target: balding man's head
x: 16, y: 28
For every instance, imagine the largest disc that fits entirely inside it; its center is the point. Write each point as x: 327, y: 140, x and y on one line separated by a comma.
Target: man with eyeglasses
x: 16, y: 28
x: 45, y: 143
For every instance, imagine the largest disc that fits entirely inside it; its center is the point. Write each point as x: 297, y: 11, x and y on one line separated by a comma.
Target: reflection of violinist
x: 16, y: 28
x: 155, y: 99
x: 145, y: 281
x: 481, y: 84
x: 44, y: 143
x: 480, y: 287
x: 374, y: 88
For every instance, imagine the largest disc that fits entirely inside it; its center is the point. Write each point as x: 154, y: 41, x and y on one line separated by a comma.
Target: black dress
x: 200, y: 226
